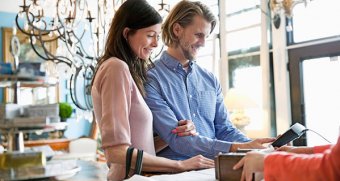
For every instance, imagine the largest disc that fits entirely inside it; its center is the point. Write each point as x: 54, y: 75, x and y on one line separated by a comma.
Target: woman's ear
x: 126, y: 32
x: 177, y: 29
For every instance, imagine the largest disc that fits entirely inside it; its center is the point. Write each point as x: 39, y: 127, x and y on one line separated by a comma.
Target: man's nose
x: 202, y: 41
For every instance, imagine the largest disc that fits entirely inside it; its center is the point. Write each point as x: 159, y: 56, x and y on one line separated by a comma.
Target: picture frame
x: 26, y: 52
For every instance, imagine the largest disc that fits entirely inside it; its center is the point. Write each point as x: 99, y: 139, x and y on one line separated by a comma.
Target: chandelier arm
x: 43, y: 46
x: 80, y: 37
x: 49, y: 54
x: 32, y: 34
x: 36, y: 51
x: 73, y: 16
x: 42, y: 43
x: 75, y: 102
x: 74, y: 92
x: 62, y: 59
x: 31, y: 21
x: 80, y: 46
x: 22, y: 29
x: 87, y: 88
x: 74, y: 54
x: 46, y: 58
x: 101, y: 19
x: 92, y: 34
x: 83, y: 52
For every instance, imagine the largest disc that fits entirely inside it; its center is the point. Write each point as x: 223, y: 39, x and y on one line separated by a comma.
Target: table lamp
x: 237, y: 102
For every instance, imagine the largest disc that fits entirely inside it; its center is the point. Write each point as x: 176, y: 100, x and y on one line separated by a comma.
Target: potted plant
x: 65, y: 111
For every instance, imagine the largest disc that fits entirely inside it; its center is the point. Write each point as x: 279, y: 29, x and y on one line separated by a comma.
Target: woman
x: 117, y: 92
x: 295, y: 164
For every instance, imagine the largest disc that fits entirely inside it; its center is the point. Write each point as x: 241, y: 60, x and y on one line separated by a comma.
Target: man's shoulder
x: 203, y: 71
x: 157, y: 63
x: 158, y: 66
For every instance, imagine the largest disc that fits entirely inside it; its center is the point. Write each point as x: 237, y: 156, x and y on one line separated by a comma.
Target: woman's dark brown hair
x: 132, y: 14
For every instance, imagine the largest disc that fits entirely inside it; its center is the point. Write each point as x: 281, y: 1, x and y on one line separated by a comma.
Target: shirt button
x: 190, y: 96
x: 194, y: 115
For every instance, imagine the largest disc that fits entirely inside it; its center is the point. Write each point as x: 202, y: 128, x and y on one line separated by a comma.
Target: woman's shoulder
x: 113, y: 68
x: 114, y: 63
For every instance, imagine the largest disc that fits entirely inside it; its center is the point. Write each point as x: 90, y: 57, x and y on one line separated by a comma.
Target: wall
x: 77, y: 128
x: 10, y: 6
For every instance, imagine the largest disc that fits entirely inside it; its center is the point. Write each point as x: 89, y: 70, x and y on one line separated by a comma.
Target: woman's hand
x: 185, y: 128
x: 251, y: 163
x: 195, y: 163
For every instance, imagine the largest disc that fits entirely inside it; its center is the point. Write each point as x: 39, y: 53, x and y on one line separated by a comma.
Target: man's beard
x: 186, y: 51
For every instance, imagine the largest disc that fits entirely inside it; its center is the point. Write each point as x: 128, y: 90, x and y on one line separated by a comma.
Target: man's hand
x: 185, y: 128
x: 255, y: 144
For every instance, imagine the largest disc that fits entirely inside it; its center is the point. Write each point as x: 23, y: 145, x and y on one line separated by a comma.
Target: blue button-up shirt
x: 174, y: 94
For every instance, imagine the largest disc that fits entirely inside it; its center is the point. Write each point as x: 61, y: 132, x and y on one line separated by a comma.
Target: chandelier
x: 286, y: 6
x: 79, y: 27
x: 164, y: 9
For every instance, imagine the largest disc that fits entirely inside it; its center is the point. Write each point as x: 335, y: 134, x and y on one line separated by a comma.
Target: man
x: 178, y: 89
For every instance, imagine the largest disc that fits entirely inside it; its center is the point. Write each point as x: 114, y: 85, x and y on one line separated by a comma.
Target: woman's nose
x: 155, y: 42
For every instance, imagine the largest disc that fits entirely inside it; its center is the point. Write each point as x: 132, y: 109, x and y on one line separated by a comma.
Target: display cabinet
x: 27, y: 91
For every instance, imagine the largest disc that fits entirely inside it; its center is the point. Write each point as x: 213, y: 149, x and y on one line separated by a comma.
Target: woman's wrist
x: 304, y: 150
x: 178, y: 166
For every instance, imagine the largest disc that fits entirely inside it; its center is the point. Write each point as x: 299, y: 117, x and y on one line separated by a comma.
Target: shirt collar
x: 172, y: 63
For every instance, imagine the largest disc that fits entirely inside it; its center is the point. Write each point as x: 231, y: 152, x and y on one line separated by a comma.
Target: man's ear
x: 125, y: 32
x: 177, y: 29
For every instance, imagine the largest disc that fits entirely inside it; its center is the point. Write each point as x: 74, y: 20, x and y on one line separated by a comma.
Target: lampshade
x: 236, y: 99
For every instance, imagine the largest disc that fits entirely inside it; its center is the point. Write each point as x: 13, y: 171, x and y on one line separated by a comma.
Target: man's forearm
x: 195, y: 145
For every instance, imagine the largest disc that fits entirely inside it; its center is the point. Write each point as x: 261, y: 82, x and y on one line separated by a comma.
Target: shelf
x: 25, y: 81
x: 28, y: 127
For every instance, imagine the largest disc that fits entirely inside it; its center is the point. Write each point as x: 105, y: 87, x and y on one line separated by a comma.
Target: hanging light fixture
x: 285, y: 6
x: 164, y: 9
x: 71, y: 24
x: 78, y: 26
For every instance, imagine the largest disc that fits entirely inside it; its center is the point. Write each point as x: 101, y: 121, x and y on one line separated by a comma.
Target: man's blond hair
x: 183, y: 14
